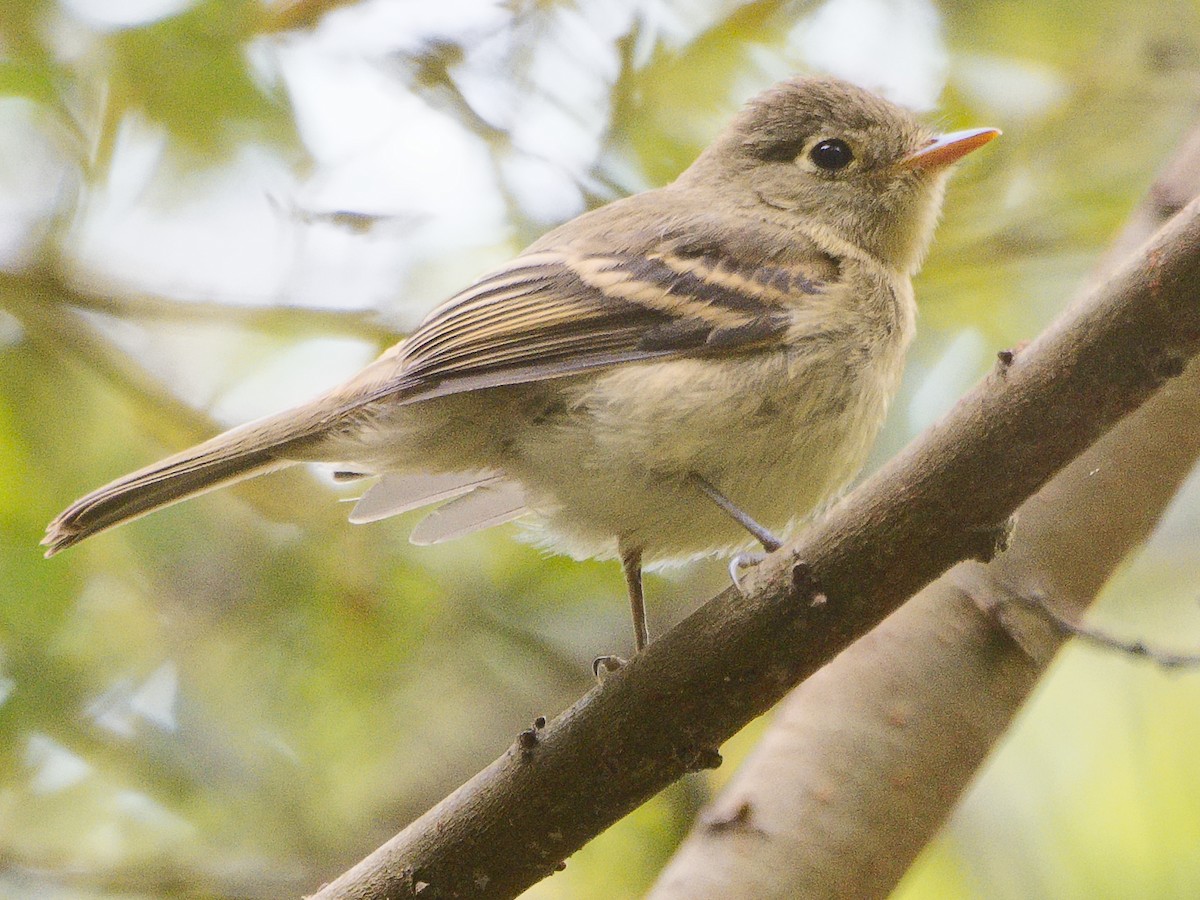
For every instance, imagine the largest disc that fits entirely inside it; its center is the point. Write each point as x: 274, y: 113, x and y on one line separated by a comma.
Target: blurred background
x: 209, y: 210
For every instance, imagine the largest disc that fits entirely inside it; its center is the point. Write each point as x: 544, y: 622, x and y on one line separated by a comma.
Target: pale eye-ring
x: 831, y: 154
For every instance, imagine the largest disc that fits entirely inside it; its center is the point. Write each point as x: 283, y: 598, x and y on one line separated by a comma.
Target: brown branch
x: 943, y: 500
x: 1098, y: 637
x: 294, y: 15
x: 42, y: 303
x: 274, y: 319
x: 863, y: 762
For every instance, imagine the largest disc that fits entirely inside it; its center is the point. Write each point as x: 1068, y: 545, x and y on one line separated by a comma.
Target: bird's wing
x: 563, y: 310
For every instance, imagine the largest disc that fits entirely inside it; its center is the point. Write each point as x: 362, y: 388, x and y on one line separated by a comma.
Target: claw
x: 603, y: 666
x: 743, y: 561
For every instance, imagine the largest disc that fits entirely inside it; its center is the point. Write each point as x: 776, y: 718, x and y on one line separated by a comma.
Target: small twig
x: 294, y: 15
x: 1097, y: 636
x: 274, y: 318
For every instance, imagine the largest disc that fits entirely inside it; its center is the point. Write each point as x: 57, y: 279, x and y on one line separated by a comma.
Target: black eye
x: 831, y: 154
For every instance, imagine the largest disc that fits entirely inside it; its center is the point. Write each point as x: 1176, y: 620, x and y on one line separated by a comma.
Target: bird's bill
x: 949, y: 148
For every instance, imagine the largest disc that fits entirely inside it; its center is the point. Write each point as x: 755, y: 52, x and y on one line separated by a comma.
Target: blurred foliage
x: 190, y: 73
x: 240, y: 696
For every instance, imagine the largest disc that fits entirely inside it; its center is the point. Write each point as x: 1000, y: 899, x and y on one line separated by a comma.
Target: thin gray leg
x: 763, y: 536
x: 631, y: 562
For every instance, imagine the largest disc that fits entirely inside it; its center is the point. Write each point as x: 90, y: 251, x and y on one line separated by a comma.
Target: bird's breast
x: 779, y: 431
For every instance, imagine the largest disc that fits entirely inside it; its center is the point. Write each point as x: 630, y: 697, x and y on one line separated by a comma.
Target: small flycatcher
x: 651, y: 380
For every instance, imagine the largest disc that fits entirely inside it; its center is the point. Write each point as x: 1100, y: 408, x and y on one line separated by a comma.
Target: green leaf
x: 191, y: 73
x: 39, y: 82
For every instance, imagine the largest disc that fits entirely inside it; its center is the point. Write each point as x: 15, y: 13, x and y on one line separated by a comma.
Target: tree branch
x: 945, y: 499
x: 292, y: 15
x: 41, y: 302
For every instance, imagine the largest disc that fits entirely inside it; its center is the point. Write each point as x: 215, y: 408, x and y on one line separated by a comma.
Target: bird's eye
x: 831, y: 154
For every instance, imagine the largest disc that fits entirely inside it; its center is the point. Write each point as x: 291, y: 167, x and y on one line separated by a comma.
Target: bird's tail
x: 238, y: 454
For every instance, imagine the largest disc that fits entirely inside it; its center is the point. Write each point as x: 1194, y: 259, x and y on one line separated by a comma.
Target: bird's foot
x: 743, y: 561
x: 603, y: 666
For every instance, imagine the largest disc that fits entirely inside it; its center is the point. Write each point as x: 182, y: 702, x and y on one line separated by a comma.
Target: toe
x: 740, y: 562
x: 603, y: 666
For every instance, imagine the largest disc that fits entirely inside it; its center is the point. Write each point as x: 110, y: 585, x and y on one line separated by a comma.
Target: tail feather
x: 394, y: 494
x: 484, y: 507
x: 233, y: 456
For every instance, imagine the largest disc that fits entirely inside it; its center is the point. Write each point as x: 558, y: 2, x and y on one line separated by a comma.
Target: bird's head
x: 841, y: 158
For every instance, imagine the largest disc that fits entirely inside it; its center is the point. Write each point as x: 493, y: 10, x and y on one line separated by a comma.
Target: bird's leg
x: 743, y: 560
x: 762, y: 535
x: 631, y: 563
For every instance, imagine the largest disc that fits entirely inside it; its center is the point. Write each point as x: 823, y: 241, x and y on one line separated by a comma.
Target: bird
x: 681, y: 373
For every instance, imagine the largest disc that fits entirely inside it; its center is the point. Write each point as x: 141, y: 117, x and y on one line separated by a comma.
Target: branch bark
x: 863, y: 762
x: 945, y: 499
